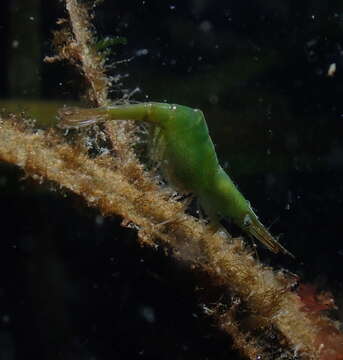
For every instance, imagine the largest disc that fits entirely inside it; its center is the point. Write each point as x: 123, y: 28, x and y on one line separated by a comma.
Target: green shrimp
x: 189, y: 157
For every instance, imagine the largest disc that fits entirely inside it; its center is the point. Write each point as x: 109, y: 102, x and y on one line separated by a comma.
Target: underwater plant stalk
x: 267, y: 294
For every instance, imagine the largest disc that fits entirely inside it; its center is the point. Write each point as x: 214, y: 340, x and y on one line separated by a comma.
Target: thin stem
x: 92, y: 63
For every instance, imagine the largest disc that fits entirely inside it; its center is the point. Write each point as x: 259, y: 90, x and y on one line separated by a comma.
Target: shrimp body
x: 189, y: 159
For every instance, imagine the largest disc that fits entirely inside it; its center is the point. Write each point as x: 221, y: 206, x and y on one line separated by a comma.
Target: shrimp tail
x: 74, y: 117
x: 258, y: 231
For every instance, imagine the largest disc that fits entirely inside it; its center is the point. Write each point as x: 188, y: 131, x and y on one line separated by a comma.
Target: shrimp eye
x: 247, y: 220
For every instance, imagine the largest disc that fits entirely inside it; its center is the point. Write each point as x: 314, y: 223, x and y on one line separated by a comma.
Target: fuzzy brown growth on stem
x: 75, y: 43
x: 133, y: 195
x: 94, y: 70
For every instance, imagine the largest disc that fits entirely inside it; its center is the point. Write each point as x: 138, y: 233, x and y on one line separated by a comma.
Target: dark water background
x: 75, y: 285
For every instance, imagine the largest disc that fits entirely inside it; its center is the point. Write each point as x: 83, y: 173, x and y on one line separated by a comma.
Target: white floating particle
x: 205, y: 26
x: 148, y: 314
x: 99, y: 220
x: 142, y: 52
x: 332, y: 69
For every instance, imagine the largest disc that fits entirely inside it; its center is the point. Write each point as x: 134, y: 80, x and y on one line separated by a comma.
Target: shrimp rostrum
x: 189, y: 158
